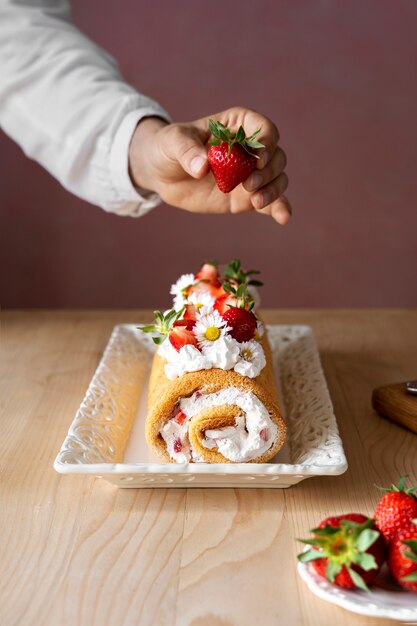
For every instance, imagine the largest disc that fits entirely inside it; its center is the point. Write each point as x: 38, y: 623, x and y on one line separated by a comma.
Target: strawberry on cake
x: 212, y: 393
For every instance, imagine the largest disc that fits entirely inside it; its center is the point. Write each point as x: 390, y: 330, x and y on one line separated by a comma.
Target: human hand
x: 171, y: 159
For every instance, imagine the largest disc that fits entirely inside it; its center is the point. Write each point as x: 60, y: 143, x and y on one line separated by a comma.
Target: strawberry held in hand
x: 402, y: 559
x: 347, y: 550
x: 396, y: 509
x: 230, y: 156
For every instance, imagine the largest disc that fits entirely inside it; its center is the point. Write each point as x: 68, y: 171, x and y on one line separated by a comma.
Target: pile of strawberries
x: 349, y: 550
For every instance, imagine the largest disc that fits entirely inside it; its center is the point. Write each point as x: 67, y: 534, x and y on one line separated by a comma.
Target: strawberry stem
x: 222, y: 134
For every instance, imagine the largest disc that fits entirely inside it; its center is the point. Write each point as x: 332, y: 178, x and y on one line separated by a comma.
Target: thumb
x: 187, y: 147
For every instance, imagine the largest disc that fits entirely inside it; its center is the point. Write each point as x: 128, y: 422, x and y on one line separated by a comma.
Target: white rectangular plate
x: 107, y: 438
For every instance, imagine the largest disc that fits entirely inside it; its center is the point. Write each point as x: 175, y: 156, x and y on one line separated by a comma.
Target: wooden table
x: 77, y: 551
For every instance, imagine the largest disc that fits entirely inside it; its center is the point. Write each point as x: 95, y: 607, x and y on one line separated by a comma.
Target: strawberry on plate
x: 402, y: 558
x: 347, y: 549
x: 396, y: 509
x: 230, y: 156
x: 242, y: 323
x: 181, y: 336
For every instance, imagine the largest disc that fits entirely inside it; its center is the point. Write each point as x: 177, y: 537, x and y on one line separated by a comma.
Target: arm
x: 63, y: 100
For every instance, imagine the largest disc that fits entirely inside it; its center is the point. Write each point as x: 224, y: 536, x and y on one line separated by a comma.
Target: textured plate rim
x: 299, y: 470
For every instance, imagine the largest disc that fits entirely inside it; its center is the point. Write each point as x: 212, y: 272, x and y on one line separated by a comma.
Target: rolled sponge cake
x: 165, y: 395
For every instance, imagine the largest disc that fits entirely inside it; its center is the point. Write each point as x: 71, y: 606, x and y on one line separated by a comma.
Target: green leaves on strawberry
x: 237, y: 281
x: 235, y: 274
x: 348, y: 550
x: 221, y: 133
x: 230, y: 156
x: 163, y: 324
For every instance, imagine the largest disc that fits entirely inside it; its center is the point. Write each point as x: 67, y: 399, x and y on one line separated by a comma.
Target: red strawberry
x: 396, y: 509
x: 208, y: 271
x: 180, y: 417
x: 186, y: 323
x: 242, y: 323
x: 230, y: 156
x: 222, y: 302
x: 190, y: 313
x: 177, y: 445
x: 264, y: 434
x: 347, y: 550
x: 181, y: 336
x: 402, y: 558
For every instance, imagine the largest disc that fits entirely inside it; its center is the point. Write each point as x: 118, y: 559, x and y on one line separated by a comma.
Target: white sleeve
x: 63, y: 100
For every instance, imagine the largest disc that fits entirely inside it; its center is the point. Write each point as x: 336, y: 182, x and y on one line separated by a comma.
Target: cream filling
x: 252, y: 435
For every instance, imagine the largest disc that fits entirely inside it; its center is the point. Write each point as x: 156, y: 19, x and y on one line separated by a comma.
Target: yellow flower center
x: 212, y: 333
x: 198, y: 306
x: 247, y: 354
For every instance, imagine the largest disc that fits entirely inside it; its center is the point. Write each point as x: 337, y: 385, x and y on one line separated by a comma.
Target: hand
x: 171, y: 159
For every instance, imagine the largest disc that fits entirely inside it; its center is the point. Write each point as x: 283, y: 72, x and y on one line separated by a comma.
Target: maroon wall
x: 339, y: 79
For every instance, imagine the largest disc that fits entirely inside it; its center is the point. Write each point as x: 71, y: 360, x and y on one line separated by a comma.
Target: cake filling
x: 252, y: 435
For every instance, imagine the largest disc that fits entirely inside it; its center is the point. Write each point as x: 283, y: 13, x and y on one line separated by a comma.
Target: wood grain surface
x: 76, y: 551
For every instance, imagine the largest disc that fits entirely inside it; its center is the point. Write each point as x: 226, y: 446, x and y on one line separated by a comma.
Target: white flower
x: 179, y: 288
x: 188, y: 359
x: 209, y: 328
x: 202, y: 301
x: 252, y: 359
x: 222, y: 353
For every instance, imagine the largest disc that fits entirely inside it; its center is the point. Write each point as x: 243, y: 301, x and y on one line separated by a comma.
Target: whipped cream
x: 253, y: 433
x: 248, y: 359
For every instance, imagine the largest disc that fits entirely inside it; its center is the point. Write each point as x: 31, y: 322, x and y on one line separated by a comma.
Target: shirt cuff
x: 135, y: 202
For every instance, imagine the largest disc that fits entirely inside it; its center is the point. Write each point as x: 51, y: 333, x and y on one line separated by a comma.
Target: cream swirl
x: 253, y: 433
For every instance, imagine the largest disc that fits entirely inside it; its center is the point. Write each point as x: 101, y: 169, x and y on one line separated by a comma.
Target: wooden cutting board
x: 396, y: 404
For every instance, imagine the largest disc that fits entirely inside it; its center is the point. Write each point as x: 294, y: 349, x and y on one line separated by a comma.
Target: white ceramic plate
x: 107, y: 439
x: 386, y: 600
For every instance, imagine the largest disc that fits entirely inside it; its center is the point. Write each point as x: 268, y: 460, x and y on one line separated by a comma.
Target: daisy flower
x: 251, y: 359
x: 202, y: 301
x: 209, y: 328
x: 179, y: 290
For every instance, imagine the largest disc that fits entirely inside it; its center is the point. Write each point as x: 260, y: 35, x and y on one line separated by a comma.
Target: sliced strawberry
x: 181, y: 336
x: 177, y: 445
x: 222, y: 303
x: 190, y: 312
x: 264, y: 434
x: 180, y: 417
x: 188, y: 324
x: 242, y: 323
x: 208, y: 272
x: 215, y: 289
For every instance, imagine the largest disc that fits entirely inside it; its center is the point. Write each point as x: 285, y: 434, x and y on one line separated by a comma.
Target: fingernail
x: 254, y: 181
x: 264, y: 158
x: 197, y: 163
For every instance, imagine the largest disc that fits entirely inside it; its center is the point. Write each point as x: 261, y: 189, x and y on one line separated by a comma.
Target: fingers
x: 271, y: 171
x: 280, y: 210
x: 185, y: 145
x: 271, y: 192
